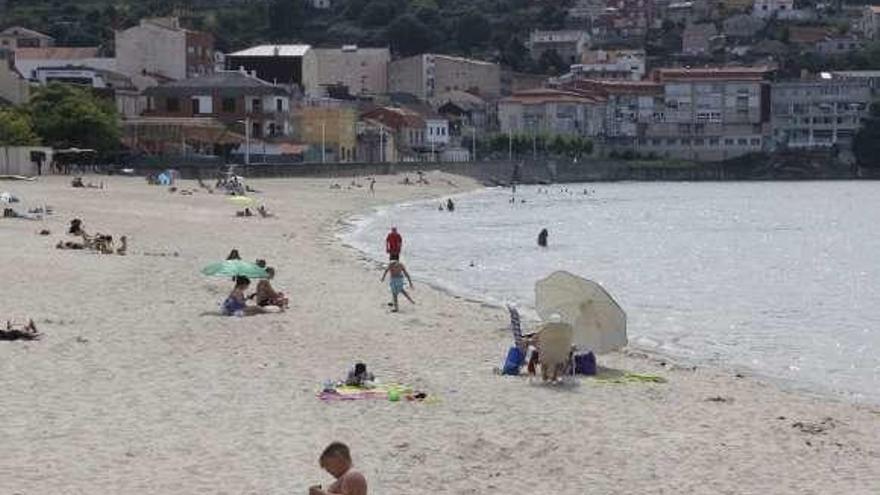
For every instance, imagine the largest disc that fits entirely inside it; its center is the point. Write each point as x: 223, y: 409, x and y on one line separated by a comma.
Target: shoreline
x: 139, y: 387
x: 348, y: 228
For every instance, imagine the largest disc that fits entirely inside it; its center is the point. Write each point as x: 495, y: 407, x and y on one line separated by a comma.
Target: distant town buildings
x: 552, y: 112
x: 14, y: 89
x: 360, y: 71
x: 569, y: 45
x: 821, y: 113
x: 698, y: 39
x: 765, y: 9
x: 330, y: 126
x: 235, y: 98
x: 278, y: 64
x: 18, y: 37
x: 430, y: 74
x: 161, y: 48
x: 870, y: 22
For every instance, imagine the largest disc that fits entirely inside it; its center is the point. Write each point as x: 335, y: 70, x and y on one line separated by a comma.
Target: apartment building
x: 818, y: 113
x: 428, y: 75
x: 160, y: 47
x: 361, y: 71
x: 235, y: 98
x: 14, y: 89
x: 281, y: 64
x: 569, y: 44
x: 772, y: 8
x: 19, y: 37
x: 552, y: 111
x: 611, y: 64
x: 328, y: 123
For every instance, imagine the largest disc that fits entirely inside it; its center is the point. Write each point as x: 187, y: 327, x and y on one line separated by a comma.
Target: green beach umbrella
x: 235, y: 268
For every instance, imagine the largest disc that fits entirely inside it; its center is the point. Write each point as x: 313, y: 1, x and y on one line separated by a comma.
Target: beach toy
x: 393, y: 395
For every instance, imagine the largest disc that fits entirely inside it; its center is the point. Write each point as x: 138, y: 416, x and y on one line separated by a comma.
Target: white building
x: 769, y: 8
x: 437, y: 131
x: 611, y: 64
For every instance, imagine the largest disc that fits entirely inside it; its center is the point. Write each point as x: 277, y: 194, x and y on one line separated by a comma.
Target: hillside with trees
x: 490, y: 29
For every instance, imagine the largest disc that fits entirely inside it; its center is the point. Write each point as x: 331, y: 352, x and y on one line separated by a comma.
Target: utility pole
x: 323, y: 141
x: 510, y: 146
x: 381, y: 145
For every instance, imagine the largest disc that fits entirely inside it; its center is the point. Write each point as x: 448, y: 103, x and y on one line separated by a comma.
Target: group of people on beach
x: 265, y: 295
x: 102, y: 243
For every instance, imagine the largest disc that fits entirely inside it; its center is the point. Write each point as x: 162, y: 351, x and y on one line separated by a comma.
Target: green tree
x: 408, y: 35
x: 65, y: 116
x: 551, y: 63
x: 284, y: 17
x: 16, y: 129
x: 472, y: 31
x: 866, y: 143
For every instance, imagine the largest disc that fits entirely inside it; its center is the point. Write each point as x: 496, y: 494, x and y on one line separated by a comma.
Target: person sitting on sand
x: 336, y: 460
x: 76, y: 227
x: 359, y: 376
x: 266, y: 295
x: 398, y: 271
x: 77, y: 182
x: 233, y: 255
x: 123, y: 246
x: 236, y: 303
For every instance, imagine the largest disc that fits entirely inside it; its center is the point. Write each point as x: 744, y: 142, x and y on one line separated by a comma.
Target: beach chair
x: 555, y: 350
x: 520, y: 340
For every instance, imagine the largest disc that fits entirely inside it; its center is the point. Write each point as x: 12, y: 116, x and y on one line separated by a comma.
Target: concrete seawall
x: 525, y: 172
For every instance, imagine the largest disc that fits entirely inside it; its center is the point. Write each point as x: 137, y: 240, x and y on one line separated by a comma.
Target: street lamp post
x: 323, y: 140
x: 247, y: 139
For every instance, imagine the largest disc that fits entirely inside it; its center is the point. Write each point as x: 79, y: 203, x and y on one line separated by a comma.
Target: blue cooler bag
x: 585, y: 364
x: 513, y: 362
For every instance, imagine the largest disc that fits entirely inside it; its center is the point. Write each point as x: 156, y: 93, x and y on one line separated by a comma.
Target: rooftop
x: 547, y: 95
x: 273, y: 51
x: 712, y: 73
x: 227, y: 80
x: 23, y: 31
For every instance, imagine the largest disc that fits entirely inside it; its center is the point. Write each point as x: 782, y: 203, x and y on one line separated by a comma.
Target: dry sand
x: 139, y: 387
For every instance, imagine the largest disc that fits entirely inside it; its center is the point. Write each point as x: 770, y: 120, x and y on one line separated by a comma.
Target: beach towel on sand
x: 346, y: 392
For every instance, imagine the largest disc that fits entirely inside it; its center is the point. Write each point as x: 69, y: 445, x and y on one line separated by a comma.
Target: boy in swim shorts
x: 397, y: 283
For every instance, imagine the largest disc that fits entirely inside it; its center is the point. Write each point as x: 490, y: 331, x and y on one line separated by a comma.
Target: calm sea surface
x: 780, y: 278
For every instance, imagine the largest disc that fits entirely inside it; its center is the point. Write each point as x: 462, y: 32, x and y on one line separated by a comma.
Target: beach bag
x: 585, y: 364
x: 513, y: 362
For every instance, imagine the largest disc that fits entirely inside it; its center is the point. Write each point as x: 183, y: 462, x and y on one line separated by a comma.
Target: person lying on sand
x: 336, y: 460
x: 27, y: 332
x: 264, y: 212
x: 398, y: 271
x: 268, y: 296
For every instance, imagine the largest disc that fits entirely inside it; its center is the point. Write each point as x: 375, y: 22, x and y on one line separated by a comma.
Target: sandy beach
x: 139, y: 386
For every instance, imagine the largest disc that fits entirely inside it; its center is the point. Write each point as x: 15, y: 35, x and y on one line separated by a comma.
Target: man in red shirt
x: 393, y: 244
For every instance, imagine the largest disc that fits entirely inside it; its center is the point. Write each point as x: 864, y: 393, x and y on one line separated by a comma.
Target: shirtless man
x: 398, y: 271
x: 336, y: 460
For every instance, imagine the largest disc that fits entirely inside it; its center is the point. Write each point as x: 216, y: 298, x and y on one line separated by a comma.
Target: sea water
x: 779, y: 278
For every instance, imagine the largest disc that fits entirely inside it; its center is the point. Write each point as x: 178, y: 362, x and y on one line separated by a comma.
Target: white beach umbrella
x: 598, y: 321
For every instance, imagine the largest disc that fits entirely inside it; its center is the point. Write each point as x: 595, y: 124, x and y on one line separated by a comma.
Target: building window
x: 714, y: 141
x: 742, y: 142
x: 172, y: 104
x: 756, y: 141
x: 229, y: 105
x: 256, y: 105
x: 728, y: 142
x: 279, y: 105
x: 256, y: 130
x: 196, y: 106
